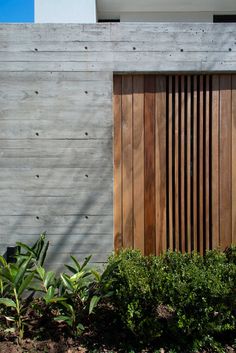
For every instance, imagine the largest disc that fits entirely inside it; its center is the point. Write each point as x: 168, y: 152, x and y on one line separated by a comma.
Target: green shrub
x: 183, y: 298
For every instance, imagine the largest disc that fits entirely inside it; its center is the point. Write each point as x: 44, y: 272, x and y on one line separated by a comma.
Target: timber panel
x: 177, y: 133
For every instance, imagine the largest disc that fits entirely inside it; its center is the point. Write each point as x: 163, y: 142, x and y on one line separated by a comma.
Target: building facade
x: 56, y: 116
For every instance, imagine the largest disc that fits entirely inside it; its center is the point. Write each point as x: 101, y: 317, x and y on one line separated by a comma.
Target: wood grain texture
x: 149, y: 186
x: 176, y: 164
x: 182, y: 166
x: 233, y: 159
x: 170, y: 165
x: 215, y: 154
x: 138, y: 161
x: 195, y: 164
x: 201, y: 166
x: 225, y: 161
x: 127, y: 160
x: 160, y: 167
x: 207, y: 164
x: 118, y: 225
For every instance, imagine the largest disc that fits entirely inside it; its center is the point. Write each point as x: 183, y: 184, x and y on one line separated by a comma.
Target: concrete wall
x: 56, y: 123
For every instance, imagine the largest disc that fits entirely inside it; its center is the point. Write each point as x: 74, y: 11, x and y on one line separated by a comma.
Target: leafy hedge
x: 181, y: 302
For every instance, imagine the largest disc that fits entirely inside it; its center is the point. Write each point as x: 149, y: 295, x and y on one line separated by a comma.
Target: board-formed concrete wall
x: 56, y: 121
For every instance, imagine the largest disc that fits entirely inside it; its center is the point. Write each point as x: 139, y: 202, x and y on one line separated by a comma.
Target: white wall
x: 65, y: 11
x: 165, y: 5
x: 167, y: 16
x: 164, y: 10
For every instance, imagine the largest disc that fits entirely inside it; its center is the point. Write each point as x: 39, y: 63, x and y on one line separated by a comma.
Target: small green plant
x: 76, y: 289
x: 16, y: 279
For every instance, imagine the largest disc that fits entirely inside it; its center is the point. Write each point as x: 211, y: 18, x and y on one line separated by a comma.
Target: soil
x: 103, y: 334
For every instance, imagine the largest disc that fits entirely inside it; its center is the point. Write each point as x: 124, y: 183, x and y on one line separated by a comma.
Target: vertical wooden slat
x: 201, y: 165
x: 149, y: 190
x: 176, y: 203
x: 234, y: 159
x: 215, y: 162
x: 138, y: 160
x: 182, y: 166
x: 188, y: 167
x: 161, y: 244
x: 118, y: 241
x: 225, y: 161
x: 170, y: 164
x: 207, y: 163
x: 195, y: 164
x: 127, y: 133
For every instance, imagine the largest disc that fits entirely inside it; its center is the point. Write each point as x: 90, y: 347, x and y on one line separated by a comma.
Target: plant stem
x: 19, y: 322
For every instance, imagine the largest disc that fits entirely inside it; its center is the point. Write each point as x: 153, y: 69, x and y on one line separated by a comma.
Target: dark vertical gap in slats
x: 182, y: 148
x: 201, y: 165
x: 195, y: 163
x: 188, y: 162
x: 170, y: 162
x: 215, y: 178
x: 149, y: 195
x: 173, y: 161
x: 178, y: 166
x: 207, y: 164
x: 160, y: 162
x: 167, y: 166
x: 198, y: 161
x: 185, y: 163
x: 192, y: 162
x: 210, y: 162
x: 132, y: 156
x: 204, y: 188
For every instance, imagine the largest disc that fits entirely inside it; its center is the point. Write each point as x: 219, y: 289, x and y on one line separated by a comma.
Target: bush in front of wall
x: 183, y: 299
x: 181, y: 302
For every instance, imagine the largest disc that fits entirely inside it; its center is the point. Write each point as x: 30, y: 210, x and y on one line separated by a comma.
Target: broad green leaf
x: 86, y: 261
x: 11, y: 329
x: 77, y: 276
x: 76, y: 262
x: 25, y: 283
x: 49, y: 278
x: 6, y: 275
x: 36, y: 288
x: 26, y: 247
x: 3, y: 261
x: 93, y: 303
x: 96, y: 274
x: 44, y: 254
x: 67, y: 283
x: 80, y: 327
x: 8, y: 302
x: 71, y: 269
x: 56, y: 300
x: 68, y: 307
x: 22, y: 271
x: 41, y: 272
x: 50, y: 293
x: 9, y: 318
x: 63, y: 318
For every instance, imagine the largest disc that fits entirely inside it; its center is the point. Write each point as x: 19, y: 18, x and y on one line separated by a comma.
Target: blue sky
x: 16, y: 10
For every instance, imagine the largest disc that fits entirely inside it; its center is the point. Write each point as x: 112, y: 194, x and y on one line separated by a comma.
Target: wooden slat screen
x: 174, y: 170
